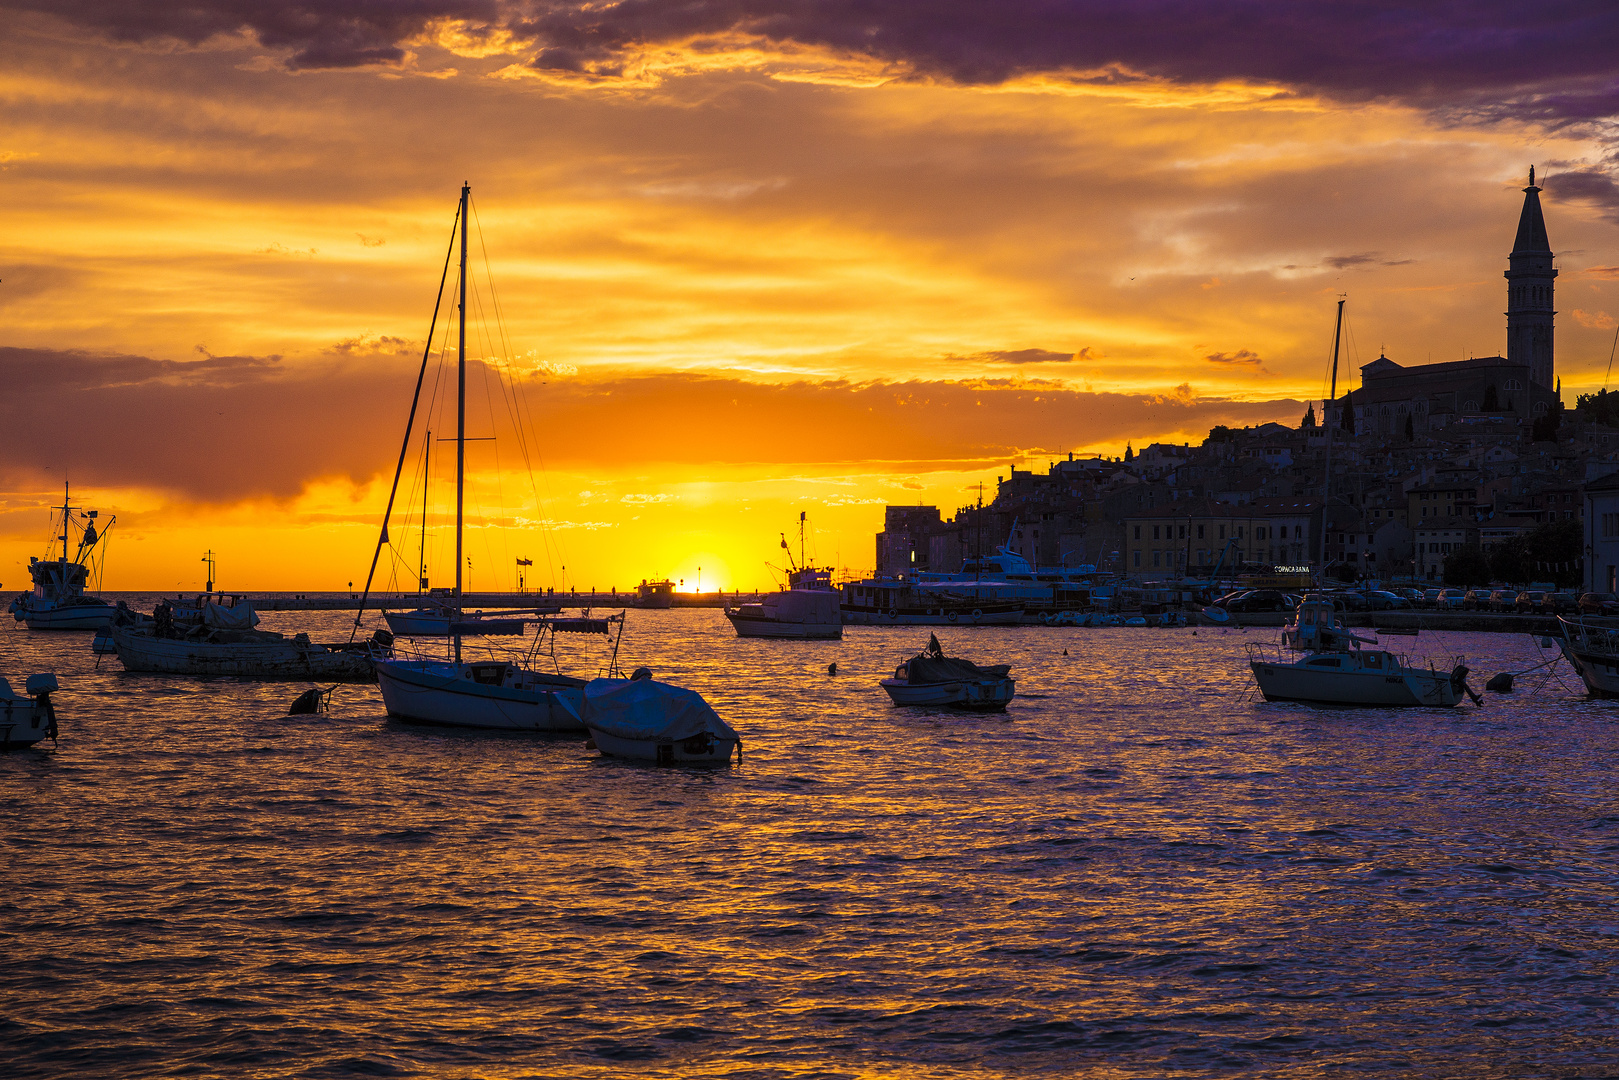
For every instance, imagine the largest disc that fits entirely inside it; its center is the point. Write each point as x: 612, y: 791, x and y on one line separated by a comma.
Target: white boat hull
x: 699, y: 750
x: 49, y: 615
x: 1598, y: 670
x: 23, y: 722
x: 441, y: 693
x: 750, y: 626
x: 989, y: 695
x: 1315, y: 686
x: 286, y: 659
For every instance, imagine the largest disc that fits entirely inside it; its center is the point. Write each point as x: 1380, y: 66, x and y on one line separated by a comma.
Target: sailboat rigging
x: 511, y: 695
x: 58, y: 600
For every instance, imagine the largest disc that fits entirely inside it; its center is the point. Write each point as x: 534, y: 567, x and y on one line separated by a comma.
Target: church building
x: 1518, y: 386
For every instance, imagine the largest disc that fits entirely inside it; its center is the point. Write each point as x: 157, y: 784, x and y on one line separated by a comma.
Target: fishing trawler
x: 808, y: 609
x: 58, y: 600
x: 498, y: 693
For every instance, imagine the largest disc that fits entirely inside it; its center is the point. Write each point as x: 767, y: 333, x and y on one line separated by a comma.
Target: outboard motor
x: 1458, y: 679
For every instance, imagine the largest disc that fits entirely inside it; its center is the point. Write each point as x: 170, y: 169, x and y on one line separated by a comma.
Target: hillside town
x: 1458, y: 473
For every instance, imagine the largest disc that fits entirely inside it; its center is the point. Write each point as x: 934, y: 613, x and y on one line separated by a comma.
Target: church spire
x: 1531, y: 223
x: 1530, y: 277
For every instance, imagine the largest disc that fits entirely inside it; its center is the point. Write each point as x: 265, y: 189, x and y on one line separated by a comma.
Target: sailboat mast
x: 801, y: 515
x: 1326, y: 473
x: 427, y: 475
x: 461, y: 413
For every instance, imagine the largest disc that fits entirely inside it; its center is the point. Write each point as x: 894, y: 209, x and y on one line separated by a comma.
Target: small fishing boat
x: 1592, y: 647
x: 26, y: 719
x: 932, y: 678
x: 58, y: 600
x: 655, y: 594
x: 220, y: 640
x: 809, y: 608
x: 642, y: 719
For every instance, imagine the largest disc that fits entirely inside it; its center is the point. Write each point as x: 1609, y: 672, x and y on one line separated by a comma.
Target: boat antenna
x: 460, y: 418
x: 1326, y: 473
x: 801, y: 516
x: 410, y: 421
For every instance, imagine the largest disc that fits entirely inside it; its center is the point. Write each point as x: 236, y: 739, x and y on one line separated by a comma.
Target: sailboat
x: 493, y: 694
x: 58, y: 600
x: 433, y: 616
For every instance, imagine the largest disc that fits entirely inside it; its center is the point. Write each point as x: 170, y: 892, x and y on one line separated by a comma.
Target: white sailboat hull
x: 441, y: 693
x: 418, y: 623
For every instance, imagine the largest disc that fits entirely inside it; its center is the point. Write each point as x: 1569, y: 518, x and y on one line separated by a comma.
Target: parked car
x: 1560, y: 603
x: 1350, y: 601
x: 1231, y: 597
x: 1599, y: 603
x: 1450, y: 599
x: 1531, y: 602
x: 1504, y: 600
x: 1383, y: 600
x: 1415, y: 596
x: 1476, y: 600
x: 1263, y: 600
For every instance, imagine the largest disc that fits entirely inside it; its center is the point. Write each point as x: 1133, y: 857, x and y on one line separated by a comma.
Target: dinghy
x: 642, y: 719
x: 932, y: 678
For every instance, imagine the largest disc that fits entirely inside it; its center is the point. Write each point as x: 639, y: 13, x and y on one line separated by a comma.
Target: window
x: 1156, y: 556
x: 1470, y: 406
x: 1222, y: 532
x: 1155, y: 535
x: 1239, y: 532
x: 1200, y: 532
x: 1514, y: 384
x: 1183, y: 532
x: 1138, y: 559
x: 1444, y: 548
x: 1138, y: 532
x: 1434, y: 548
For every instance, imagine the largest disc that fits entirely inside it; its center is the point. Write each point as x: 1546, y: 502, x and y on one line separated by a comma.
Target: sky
x: 733, y: 261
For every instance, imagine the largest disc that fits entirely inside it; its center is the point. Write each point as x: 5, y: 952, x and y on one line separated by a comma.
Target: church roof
x: 1531, y: 224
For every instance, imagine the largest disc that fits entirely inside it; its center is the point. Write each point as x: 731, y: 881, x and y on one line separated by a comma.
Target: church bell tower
x: 1529, y: 291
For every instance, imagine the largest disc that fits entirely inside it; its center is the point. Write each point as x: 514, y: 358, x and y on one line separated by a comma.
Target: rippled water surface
x: 1136, y: 871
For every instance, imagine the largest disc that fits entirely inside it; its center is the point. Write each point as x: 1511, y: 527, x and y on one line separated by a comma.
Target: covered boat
x: 932, y: 678
x: 645, y: 720
x: 26, y: 720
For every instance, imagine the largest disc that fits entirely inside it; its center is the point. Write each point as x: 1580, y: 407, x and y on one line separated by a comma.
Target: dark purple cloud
x: 1550, y: 61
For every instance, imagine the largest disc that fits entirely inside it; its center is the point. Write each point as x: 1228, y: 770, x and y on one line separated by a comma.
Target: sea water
x: 1138, y: 870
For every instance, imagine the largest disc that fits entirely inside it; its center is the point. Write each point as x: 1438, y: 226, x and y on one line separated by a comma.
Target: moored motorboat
x: 642, y: 719
x: 247, y: 654
x: 26, y: 719
x: 931, y: 678
x: 1592, y: 647
x: 1353, y: 676
x: 809, y: 608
